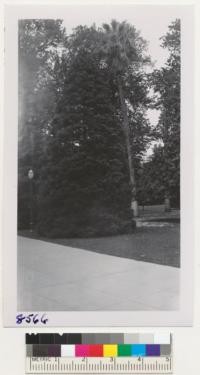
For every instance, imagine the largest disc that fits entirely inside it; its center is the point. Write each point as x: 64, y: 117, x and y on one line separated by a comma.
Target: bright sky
x: 152, y: 21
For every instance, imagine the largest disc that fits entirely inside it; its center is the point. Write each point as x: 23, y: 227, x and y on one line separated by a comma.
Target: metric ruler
x: 89, y: 365
x: 98, y: 354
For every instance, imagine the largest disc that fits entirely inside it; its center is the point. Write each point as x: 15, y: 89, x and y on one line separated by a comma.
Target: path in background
x: 158, y: 211
x: 52, y: 277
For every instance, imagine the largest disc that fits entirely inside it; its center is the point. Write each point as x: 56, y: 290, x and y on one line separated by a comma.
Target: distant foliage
x: 166, y: 83
x: 151, y: 181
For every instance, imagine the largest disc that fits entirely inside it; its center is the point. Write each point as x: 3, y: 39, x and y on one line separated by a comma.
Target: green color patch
x: 124, y: 350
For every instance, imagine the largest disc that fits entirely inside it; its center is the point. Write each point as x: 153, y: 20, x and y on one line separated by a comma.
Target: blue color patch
x: 138, y: 350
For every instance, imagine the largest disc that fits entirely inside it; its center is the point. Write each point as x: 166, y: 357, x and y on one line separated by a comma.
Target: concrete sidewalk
x: 53, y: 277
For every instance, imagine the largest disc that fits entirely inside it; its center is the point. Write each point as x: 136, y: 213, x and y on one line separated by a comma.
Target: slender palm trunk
x: 167, y: 203
x: 134, y: 204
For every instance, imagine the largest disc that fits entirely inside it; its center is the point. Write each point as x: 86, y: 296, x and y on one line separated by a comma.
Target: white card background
x: 185, y: 361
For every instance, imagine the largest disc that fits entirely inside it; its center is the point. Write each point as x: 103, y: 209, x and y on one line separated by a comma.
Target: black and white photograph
x: 99, y: 156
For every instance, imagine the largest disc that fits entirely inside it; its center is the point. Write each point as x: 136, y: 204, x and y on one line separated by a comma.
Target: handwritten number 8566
x: 31, y: 318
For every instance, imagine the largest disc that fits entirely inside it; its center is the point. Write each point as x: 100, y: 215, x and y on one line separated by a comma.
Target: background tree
x: 38, y: 43
x: 166, y: 82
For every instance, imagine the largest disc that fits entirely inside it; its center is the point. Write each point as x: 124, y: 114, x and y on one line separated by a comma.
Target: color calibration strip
x: 97, y: 350
x: 97, y: 345
x: 98, y: 353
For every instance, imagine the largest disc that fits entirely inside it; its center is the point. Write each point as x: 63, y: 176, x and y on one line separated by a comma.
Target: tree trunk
x: 126, y: 129
x: 167, y: 204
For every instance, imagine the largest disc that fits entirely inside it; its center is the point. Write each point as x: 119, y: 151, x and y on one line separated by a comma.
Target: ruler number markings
x: 123, y: 365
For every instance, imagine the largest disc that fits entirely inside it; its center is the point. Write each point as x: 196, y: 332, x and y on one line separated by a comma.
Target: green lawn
x: 159, y: 245
x: 155, y: 245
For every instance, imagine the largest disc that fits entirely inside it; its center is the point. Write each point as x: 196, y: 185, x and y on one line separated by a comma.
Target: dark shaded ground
x: 157, y: 244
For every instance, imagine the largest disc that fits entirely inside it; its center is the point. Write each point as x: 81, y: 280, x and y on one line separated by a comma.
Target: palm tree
x: 123, y: 50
